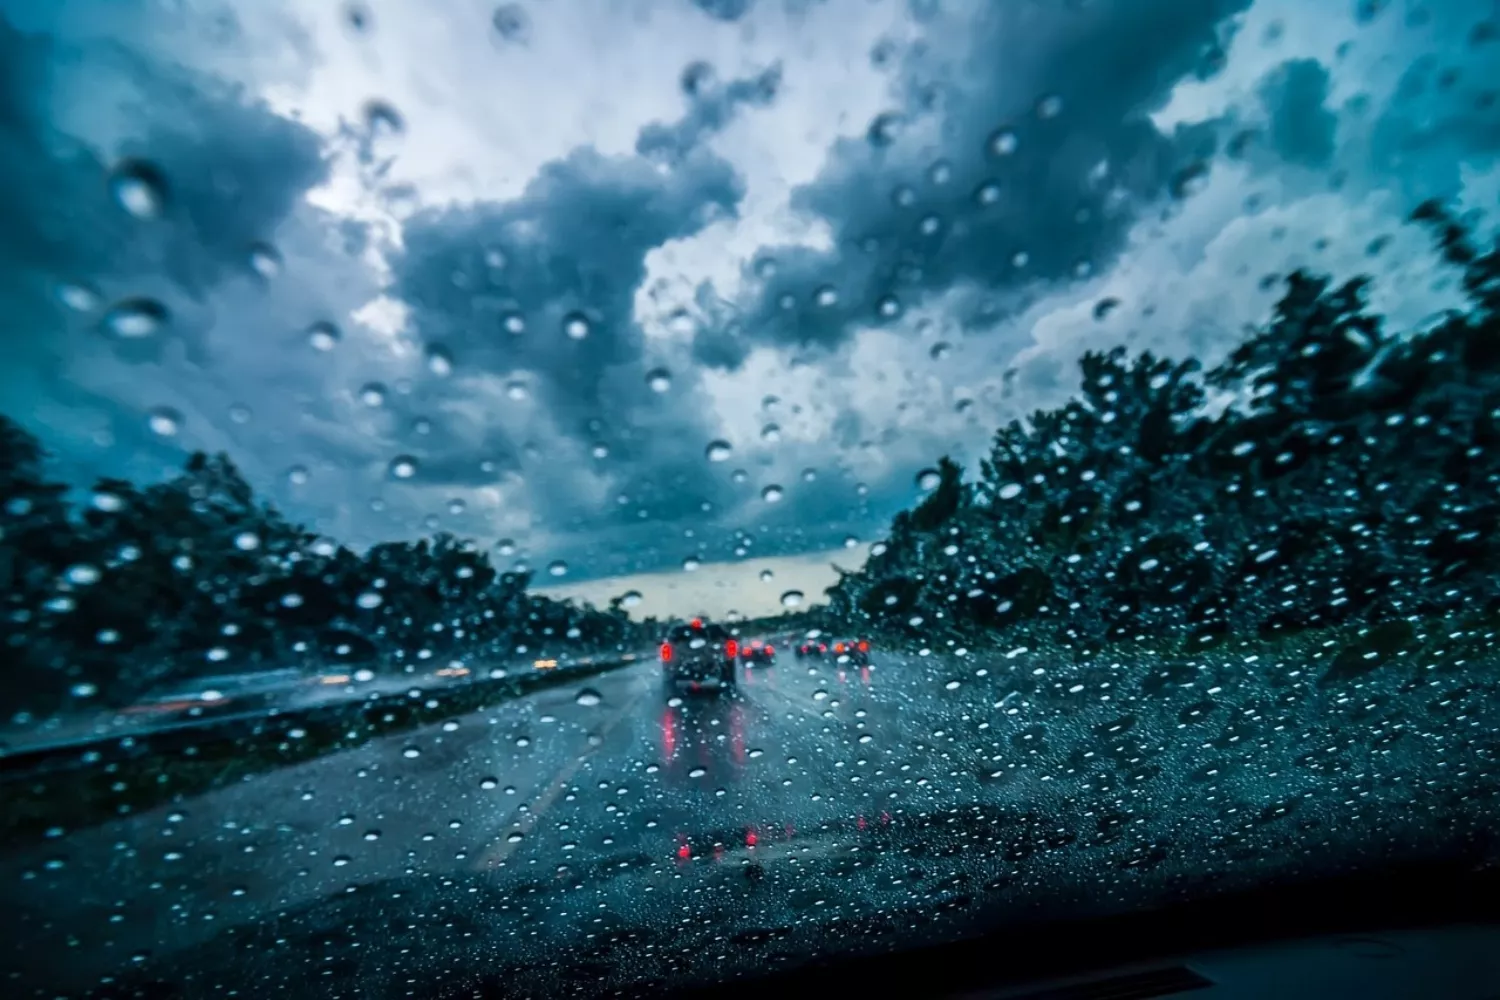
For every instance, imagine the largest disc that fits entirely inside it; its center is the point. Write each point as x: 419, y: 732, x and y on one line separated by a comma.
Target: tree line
x: 1328, y: 471
x: 137, y: 589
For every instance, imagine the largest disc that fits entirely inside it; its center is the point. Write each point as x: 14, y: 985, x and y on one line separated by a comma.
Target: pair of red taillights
x: 731, y: 651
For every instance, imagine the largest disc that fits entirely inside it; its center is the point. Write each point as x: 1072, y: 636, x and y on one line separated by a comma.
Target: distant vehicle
x: 854, y: 651
x: 699, y: 654
x: 814, y: 648
x: 757, y: 651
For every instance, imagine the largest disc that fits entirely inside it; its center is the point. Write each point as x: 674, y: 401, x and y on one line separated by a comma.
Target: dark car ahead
x: 816, y: 648
x: 698, y: 655
x: 757, y: 652
x: 853, y: 651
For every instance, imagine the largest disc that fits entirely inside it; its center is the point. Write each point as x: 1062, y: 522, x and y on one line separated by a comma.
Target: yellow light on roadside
x: 451, y: 672
x: 545, y: 664
x: 331, y: 679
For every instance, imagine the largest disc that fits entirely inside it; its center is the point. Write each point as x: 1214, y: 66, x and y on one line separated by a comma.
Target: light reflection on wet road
x: 653, y: 830
x: 543, y: 783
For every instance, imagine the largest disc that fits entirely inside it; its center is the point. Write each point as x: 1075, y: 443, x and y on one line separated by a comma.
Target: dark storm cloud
x: 229, y: 170
x: 1302, y: 128
x: 1069, y: 86
x: 539, y: 292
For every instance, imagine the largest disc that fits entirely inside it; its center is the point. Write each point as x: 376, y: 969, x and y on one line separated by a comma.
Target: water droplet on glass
x: 928, y: 479
x: 369, y: 599
x: 164, y: 421
x: 489, y: 784
x: 588, y: 698
x: 1004, y: 142
x: 84, y: 690
x: 659, y: 379
x: 557, y: 568
x: 1010, y: 491
x: 411, y: 752
x: 512, y: 23
x: 82, y: 574
x: 791, y: 599
x: 265, y: 260
x: 382, y: 119
x: 691, y: 563
x: 506, y: 547
x: 718, y: 451
x: 885, y: 128
x: 630, y: 598
x: 403, y: 467
x: 770, y: 433
x: 766, y: 576
x: 323, y: 336
x: 576, y: 325
x: 826, y: 296
x: 516, y: 390
x: 697, y: 772
x: 457, y: 506
x: 772, y: 494
x: 1049, y: 107
x: 135, y: 319
x: 79, y: 298
x: 439, y: 361
x: 939, y: 350
x: 987, y: 193
x: 739, y: 475
x: 247, y: 541
x: 889, y: 306
x: 139, y: 188
x: 515, y: 837
x: 372, y: 394
x: 696, y: 78
x: 850, y: 541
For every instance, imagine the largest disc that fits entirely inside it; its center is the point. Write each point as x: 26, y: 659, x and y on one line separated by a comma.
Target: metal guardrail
x: 193, y: 736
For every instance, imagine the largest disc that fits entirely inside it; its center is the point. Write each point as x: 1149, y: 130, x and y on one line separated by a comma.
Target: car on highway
x: 699, y: 655
x: 757, y: 652
x: 812, y: 648
x: 852, y: 651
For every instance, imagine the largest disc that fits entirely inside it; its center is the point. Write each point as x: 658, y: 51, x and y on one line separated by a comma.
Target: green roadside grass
x: 92, y: 784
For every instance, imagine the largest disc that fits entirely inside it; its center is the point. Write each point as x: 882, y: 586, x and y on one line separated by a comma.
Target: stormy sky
x: 629, y: 284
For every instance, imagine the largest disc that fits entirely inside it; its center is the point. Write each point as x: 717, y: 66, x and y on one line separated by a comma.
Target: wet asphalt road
x: 646, y: 778
x: 603, y: 836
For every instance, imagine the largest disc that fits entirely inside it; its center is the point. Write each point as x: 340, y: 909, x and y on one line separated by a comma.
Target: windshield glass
x: 1075, y: 427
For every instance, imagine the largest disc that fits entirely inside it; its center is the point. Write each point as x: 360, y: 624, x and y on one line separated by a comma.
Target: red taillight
x: 770, y: 650
x: 666, y: 652
x: 684, y: 852
x: 864, y: 647
x: 697, y: 623
x: 750, y: 838
x: 731, y: 649
x: 822, y: 647
x: 838, y: 647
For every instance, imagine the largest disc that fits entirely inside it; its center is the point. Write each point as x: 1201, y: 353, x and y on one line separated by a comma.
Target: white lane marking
x: 504, y: 847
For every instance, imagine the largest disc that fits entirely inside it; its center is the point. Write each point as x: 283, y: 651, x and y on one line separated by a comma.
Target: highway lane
x: 630, y: 828
x: 624, y: 770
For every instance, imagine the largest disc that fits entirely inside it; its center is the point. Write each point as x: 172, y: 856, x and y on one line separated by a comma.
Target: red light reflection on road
x: 864, y: 676
x: 669, y: 734
x: 737, y: 734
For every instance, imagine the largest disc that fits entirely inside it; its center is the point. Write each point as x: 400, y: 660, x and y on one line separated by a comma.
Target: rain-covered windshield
x: 587, y: 498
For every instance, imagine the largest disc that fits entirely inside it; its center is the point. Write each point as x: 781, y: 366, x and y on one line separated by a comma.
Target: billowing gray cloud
x: 1026, y: 159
